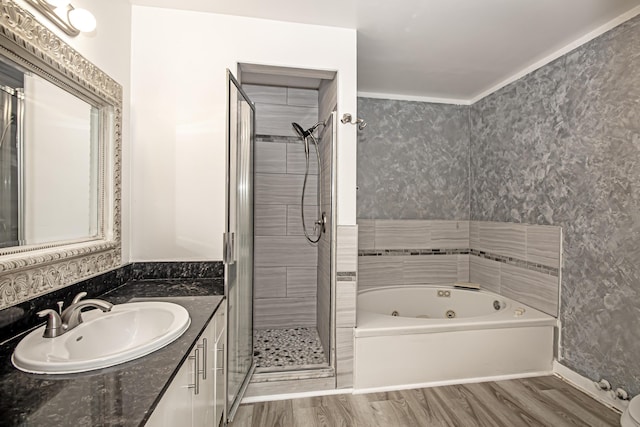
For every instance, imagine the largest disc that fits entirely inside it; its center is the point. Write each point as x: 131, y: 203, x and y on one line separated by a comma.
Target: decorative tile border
x: 404, y: 252
x: 276, y: 138
x: 480, y: 254
x: 346, y: 276
x: 516, y: 262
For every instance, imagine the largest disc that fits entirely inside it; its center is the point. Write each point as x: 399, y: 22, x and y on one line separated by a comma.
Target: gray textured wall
x: 561, y: 146
x: 413, y: 160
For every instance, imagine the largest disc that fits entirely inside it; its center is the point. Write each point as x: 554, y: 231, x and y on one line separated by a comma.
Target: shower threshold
x: 300, y: 374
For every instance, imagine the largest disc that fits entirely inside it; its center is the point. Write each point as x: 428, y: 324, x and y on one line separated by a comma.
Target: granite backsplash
x: 22, y: 317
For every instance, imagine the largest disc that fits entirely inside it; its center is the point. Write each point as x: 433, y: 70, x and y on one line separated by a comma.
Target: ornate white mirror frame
x: 29, y: 271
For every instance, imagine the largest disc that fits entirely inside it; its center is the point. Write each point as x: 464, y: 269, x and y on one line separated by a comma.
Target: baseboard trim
x: 316, y: 393
x: 589, y: 387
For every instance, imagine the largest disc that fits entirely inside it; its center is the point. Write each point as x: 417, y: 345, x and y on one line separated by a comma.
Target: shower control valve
x: 320, y: 223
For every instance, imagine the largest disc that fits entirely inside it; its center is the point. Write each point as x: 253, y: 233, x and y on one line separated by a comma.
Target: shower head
x: 305, y: 133
x: 301, y: 132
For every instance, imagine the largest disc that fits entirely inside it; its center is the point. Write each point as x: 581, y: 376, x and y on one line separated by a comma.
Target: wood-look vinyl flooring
x: 541, y: 401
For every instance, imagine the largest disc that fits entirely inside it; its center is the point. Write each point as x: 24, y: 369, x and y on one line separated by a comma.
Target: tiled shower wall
x: 518, y: 261
x: 285, y: 274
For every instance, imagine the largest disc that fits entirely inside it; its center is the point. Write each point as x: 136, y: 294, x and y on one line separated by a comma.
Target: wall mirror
x: 60, y: 120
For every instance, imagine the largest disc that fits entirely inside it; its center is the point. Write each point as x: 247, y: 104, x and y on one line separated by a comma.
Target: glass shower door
x: 238, y: 244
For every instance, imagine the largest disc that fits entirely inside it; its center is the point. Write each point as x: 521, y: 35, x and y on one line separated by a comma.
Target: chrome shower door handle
x: 221, y: 350
x: 228, y: 243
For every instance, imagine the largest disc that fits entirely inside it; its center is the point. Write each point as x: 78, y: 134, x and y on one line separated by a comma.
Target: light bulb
x: 58, y: 3
x: 83, y: 20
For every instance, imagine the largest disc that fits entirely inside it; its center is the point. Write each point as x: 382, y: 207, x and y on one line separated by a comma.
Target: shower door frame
x: 333, y: 241
x: 230, y: 250
x: 314, y: 373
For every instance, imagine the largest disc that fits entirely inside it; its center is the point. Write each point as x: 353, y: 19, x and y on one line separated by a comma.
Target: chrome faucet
x: 58, y: 324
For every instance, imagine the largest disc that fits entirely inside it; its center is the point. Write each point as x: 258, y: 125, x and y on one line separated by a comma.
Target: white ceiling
x: 439, y: 49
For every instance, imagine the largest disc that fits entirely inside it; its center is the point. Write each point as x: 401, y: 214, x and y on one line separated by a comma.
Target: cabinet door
x: 175, y: 408
x: 203, y: 402
x: 196, y: 396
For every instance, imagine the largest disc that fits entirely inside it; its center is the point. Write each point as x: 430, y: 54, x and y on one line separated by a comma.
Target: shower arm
x: 348, y: 119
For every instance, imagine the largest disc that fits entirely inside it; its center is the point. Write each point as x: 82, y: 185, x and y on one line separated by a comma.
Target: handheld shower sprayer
x: 305, y: 133
x: 348, y: 118
x: 319, y: 224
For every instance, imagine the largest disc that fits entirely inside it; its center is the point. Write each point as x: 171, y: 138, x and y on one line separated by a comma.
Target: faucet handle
x: 54, y: 323
x: 78, y: 297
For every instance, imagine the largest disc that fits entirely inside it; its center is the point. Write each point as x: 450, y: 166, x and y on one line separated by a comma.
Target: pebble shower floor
x: 285, y: 349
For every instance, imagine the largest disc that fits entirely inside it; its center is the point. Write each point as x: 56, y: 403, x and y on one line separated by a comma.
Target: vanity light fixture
x: 69, y: 19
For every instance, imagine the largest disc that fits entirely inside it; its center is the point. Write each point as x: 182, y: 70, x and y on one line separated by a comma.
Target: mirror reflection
x: 49, y: 170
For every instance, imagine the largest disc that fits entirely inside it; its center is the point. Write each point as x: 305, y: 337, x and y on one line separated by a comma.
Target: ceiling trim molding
x: 560, y: 52
x: 399, y: 97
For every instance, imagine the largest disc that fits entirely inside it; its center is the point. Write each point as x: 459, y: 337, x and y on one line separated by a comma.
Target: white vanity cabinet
x: 207, y: 408
x: 195, y: 397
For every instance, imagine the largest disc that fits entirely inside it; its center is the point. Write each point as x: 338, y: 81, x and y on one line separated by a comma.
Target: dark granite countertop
x: 122, y: 395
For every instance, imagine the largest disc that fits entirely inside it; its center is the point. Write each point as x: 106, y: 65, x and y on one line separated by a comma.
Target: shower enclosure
x: 294, y: 224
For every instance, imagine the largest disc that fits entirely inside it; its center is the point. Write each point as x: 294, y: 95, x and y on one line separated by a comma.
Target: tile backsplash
x: 519, y: 261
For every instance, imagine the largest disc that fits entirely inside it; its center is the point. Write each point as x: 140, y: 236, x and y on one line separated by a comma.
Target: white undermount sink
x: 125, y: 333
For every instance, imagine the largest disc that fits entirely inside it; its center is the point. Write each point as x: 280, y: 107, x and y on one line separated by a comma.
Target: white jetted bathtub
x: 410, y: 336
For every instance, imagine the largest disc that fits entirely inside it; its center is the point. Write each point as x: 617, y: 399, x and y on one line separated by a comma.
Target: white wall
x: 108, y: 47
x: 179, y: 61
